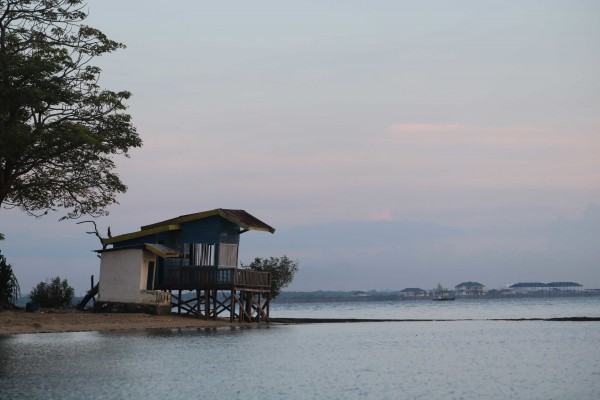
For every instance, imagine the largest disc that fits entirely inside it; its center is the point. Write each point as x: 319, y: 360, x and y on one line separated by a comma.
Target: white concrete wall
x: 123, y: 277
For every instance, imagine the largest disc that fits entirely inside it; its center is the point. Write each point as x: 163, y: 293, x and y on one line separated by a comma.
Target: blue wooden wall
x: 213, y: 229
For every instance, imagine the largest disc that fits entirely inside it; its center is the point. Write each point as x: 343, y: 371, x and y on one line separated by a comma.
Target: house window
x: 228, y: 254
x: 199, y: 254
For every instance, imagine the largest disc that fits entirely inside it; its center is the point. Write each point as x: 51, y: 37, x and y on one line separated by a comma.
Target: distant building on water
x: 413, y: 293
x: 469, y: 289
x: 539, y: 287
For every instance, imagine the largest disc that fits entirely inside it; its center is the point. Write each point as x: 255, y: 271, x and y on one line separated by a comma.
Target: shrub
x: 9, y: 286
x: 282, y: 271
x: 53, y: 294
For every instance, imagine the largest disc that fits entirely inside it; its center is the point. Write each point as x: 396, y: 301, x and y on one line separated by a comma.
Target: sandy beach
x: 18, y: 321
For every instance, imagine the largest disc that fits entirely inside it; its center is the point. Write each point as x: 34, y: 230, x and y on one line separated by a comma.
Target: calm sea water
x: 393, y: 360
x: 547, y: 307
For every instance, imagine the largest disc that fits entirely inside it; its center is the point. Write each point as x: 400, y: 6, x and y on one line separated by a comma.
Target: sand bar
x: 14, y: 322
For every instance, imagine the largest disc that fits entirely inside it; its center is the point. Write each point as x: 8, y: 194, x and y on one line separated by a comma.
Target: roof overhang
x: 162, y: 251
x: 241, y: 218
x: 238, y: 217
x: 144, y: 232
x: 159, y: 249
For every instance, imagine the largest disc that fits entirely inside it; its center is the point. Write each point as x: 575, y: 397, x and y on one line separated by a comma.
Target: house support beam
x: 242, y: 304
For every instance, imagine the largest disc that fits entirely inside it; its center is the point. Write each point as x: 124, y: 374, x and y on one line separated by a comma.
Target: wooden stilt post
x: 179, y: 303
x: 258, y: 307
x: 268, y: 305
x: 214, y: 299
x: 198, y: 303
x: 241, y: 300
x: 206, y: 303
x: 249, y: 298
x: 232, y: 306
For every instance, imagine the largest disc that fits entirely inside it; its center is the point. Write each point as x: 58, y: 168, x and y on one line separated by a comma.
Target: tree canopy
x: 53, y: 293
x: 59, y: 131
x: 282, y: 271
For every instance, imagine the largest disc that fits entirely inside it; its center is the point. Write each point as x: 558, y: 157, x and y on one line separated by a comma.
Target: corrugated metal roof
x: 238, y: 217
x: 245, y: 220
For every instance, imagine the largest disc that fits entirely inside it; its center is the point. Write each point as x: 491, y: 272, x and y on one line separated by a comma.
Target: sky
x: 392, y: 144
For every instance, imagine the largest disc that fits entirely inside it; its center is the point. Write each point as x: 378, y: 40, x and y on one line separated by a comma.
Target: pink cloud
x: 381, y: 215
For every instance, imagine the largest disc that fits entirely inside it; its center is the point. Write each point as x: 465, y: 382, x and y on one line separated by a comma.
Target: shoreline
x: 57, y: 321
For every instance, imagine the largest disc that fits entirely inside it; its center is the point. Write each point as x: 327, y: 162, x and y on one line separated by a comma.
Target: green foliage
x: 9, y: 286
x: 59, y: 131
x: 282, y: 271
x: 53, y: 294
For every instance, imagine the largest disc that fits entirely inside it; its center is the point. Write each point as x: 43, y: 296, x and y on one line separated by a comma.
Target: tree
x: 90, y: 294
x: 59, y: 131
x: 282, y: 271
x: 9, y: 286
x: 53, y: 293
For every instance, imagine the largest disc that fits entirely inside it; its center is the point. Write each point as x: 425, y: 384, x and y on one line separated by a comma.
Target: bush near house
x: 53, y: 293
x: 282, y: 271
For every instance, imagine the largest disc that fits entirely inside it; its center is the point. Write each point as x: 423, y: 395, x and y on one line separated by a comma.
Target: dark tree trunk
x: 88, y: 296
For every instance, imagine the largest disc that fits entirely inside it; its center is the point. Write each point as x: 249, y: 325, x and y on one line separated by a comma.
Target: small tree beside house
x: 282, y: 271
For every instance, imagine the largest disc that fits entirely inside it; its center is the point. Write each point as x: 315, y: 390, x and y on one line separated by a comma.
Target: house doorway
x: 150, y: 281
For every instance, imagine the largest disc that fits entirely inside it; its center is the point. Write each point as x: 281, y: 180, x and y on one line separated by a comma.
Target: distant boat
x: 443, y: 297
x: 442, y: 294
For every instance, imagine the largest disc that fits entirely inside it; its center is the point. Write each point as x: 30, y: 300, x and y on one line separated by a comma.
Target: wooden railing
x: 257, y: 279
x: 189, y: 278
x: 159, y: 297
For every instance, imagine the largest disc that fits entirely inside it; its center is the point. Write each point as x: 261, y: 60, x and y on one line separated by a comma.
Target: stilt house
x: 189, y: 263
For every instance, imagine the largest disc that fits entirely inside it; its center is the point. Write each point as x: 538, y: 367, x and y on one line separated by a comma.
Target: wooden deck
x: 201, y: 278
x: 245, y: 294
